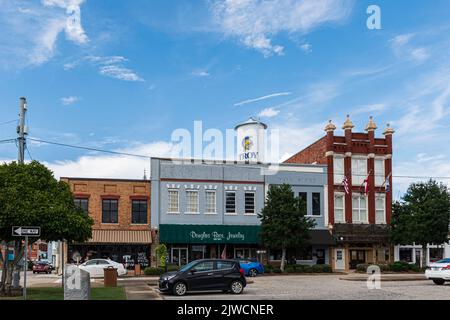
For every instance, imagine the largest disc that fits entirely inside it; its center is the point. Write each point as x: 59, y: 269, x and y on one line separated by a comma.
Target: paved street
x: 300, y: 287
x: 324, y: 287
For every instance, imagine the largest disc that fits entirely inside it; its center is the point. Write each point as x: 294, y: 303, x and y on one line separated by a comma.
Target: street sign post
x: 26, y: 232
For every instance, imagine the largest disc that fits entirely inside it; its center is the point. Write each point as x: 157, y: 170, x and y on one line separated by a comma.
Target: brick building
x: 121, y: 213
x: 358, y: 215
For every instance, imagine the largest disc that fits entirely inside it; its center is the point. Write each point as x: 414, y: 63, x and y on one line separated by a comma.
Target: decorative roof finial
x: 388, y: 131
x: 330, y: 126
x: 371, y: 126
x: 348, y: 124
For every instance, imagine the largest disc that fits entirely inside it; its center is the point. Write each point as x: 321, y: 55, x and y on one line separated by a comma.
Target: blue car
x: 251, y: 268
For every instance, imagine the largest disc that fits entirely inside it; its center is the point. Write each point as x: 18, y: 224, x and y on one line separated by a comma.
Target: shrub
x: 289, y: 269
x: 362, y: 267
x: 325, y: 268
x: 276, y: 270
x: 307, y: 268
x: 400, y: 266
x: 268, y: 268
x: 153, y: 271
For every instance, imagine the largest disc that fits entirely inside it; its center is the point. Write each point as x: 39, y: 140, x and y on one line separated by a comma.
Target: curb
x: 386, y: 279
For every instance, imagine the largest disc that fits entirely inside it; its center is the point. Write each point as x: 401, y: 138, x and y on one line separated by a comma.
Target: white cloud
x: 200, y: 73
x: 66, y: 101
x: 120, y: 73
x: 268, y: 113
x: 402, y: 47
x: 273, y: 95
x: 110, y: 66
x: 256, y: 22
x: 306, y: 47
x: 113, y: 166
x: 371, y: 108
x: 30, y: 30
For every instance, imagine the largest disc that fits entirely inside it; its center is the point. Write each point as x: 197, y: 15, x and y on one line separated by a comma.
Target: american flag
x: 387, y: 183
x: 345, y: 183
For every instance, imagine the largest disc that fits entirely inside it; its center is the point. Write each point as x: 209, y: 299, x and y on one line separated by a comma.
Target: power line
x: 7, y: 140
x: 7, y: 122
x: 90, y: 149
x: 149, y: 157
x: 28, y: 151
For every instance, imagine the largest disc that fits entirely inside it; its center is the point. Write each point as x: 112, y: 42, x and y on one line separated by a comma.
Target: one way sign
x: 26, y: 231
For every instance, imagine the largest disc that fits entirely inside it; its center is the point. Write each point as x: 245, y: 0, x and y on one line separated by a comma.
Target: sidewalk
x: 386, y: 277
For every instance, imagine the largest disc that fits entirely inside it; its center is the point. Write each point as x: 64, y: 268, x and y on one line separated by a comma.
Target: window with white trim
x: 249, y: 203
x: 359, y: 207
x: 192, y: 201
x: 230, y: 202
x: 173, y: 202
x: 379, y: 172
x: 380, y: 208
x: 210, y: 202
x: 339, y: 207
x: 359, y: 171
x: 338, y: 168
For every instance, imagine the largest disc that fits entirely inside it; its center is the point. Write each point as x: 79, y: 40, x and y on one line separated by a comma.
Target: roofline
x: 105, y: 179
x: 233, y: 162
x: 313, y: 143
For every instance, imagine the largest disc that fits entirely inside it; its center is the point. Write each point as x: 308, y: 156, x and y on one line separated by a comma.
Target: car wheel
x: 237, y: 287
x: 34, y: 272
x: 253, y: 273
x: 179, y: 289
x: 439, y: 282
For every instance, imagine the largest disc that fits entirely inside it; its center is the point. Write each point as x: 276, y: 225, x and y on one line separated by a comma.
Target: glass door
x: 179, y: 256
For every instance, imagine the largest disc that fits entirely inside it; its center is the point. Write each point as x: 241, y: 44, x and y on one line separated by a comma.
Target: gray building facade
x: 210, y: 209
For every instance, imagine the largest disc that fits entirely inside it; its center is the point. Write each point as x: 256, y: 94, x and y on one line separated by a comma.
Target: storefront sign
x: 209, y: 234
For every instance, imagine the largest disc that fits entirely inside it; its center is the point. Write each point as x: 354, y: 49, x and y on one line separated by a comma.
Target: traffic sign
x: 26, y: 231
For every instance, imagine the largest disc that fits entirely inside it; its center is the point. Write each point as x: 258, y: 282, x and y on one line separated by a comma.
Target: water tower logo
x: 247, y: 143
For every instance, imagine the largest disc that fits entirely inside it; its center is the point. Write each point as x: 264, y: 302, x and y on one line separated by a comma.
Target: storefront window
x: 406, y: 254
x: 436, y: 254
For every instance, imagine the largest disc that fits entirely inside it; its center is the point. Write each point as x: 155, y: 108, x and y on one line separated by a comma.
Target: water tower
x: 251, y: 142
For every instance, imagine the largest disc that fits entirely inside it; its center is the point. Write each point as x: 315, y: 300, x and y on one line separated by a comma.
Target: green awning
x: 209, y: 234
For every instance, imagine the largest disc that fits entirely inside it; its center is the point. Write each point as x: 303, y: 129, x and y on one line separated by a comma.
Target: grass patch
x: 117, y: 293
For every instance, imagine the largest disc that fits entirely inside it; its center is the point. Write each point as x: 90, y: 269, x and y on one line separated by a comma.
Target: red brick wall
x: 124, y: 191
x: 315, y: 153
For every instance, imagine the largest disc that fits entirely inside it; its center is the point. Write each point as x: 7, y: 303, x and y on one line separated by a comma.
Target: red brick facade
x: 352, y: 144
x: 123, y: 190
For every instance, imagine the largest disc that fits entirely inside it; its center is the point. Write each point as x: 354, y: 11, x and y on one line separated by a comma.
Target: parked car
x: 95, y: 267
x: 205, y: 275
x: 41, y: 267
x: 439, y: 271
x: 251, y: 268
x: 49, y: 263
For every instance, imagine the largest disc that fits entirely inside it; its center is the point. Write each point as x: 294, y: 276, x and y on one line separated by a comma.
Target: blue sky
x: 127, y: 73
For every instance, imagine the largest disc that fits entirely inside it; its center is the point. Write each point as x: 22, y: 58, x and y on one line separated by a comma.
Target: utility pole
x: 21, y: 130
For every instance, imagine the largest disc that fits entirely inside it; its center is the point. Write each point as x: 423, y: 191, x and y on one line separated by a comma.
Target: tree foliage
x: 31, y: 196
x: 423, y: 215
x: 283, y: 220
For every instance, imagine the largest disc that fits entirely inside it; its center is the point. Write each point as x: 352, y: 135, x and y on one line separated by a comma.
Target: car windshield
x: 188, y: 266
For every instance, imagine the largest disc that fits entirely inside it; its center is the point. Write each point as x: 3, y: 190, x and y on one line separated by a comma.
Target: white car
x: 439, y: 271
x: 95, y: 267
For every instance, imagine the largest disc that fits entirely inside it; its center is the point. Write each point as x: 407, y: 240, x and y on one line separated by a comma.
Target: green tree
x: 283, y: 221
x: 161, y: 253
x: 31, y: 196
x: 423, y: 216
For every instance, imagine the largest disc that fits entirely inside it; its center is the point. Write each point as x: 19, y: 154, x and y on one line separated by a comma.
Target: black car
x: 204, y: 275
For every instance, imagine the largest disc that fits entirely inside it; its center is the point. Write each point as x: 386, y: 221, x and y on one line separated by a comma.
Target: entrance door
x: 418, y: 257
x: 357, y: 257
x: 179, y: 256
x: 339, y: 259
